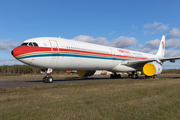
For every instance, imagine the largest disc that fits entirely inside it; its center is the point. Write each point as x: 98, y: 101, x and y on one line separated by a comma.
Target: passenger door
x: 54, y: 46
x: 55, y: 53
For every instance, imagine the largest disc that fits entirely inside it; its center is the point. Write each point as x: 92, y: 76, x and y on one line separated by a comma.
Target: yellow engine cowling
x: 84, y: 73
x: 152, y: 68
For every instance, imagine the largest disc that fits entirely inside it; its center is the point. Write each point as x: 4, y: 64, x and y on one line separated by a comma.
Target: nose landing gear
x: 47, y: 78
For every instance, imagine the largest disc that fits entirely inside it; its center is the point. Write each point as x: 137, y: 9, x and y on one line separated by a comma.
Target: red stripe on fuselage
x: 29, y: 49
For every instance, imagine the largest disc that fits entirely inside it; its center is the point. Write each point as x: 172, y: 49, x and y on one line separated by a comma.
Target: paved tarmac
x: 32, y: 82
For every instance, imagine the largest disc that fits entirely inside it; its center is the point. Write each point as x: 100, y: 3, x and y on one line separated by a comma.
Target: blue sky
x: 131, y: 24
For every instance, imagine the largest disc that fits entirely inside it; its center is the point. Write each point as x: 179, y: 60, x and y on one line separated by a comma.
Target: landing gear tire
x: 112, y: 76
x: 48, y: 79
x: 118, y: 76
x: 115, y: 76
x: 45, y: 79
x: 134, y: 76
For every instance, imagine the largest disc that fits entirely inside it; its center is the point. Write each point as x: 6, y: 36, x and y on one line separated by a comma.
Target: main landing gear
x: 133, y: 75
x: 115, y: 75
x: 47, y: 78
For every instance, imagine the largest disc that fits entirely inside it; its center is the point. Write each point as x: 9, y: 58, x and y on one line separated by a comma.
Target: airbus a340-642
x: 48, y: 53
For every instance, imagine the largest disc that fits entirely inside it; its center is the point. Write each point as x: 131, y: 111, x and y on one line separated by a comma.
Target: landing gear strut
x: 47, y: 78
x: 115, y: 75
x: 133, y: 75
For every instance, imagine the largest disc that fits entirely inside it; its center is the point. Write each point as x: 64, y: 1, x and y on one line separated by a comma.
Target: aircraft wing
x: 171, y: 59
x: 141, y: 63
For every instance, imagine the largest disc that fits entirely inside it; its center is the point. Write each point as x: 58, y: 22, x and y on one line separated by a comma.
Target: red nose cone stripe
x: 28, y: 49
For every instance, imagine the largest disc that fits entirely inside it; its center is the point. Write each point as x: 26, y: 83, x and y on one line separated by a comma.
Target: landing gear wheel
x: 118, y: 76
x: 48, y: 79
x: 115, y: 76
x: 135, y: 76
x: 45, y: 80
x: 154, y: 77
x: 112, y: 76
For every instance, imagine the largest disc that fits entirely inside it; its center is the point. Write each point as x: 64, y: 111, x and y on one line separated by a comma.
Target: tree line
x: 22, y: 69
x: 26, y: 69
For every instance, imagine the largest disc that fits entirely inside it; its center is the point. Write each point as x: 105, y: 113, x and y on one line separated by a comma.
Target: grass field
x: 128, y: 99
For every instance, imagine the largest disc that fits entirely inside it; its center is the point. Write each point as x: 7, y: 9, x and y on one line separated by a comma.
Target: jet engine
x: 152, y: 68
x: 84, y: 73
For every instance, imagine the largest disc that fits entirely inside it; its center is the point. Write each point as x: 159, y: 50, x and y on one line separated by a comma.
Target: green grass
x: 130, y: 99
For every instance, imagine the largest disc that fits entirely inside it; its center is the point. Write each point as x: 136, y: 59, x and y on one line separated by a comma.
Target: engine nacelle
x: 84, y: 73
x: 152, y: 68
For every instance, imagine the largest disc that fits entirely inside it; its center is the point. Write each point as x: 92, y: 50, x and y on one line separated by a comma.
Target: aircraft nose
x: 16, y: 51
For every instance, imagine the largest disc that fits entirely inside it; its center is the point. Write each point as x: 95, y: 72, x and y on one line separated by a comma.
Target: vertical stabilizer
x: 161, y: 50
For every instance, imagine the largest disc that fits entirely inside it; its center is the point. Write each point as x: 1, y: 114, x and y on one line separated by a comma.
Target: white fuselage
x: 64, y: 54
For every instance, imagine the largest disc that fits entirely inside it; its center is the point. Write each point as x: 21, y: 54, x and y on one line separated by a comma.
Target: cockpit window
x: 24, y: 44
x: 30, y: 44
x: 35, y: 44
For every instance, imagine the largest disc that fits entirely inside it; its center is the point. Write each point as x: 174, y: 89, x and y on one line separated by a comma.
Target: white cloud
x: 10, y: 61
x: 123, y: 42
x: 111, y: 33
x: 154, y: 28
x: 169, y: 65
x: 168, y: 53
x: 177, y: 47
x: 172, y: 43
x: 147, y: 50
x: 153, y: 43
x: 153, y: 25
x: 141, y: 46
x: 160, y: 29
x: 172, y: 53
x: 145, y: 32
x: 7, y: 45
x: 90, y: 39
x: 175, y: 32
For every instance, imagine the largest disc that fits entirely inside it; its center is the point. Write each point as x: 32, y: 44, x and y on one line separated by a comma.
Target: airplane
x: 51, y: 53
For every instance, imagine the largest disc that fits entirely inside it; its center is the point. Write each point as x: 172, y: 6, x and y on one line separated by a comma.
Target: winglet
x: 161, y: 50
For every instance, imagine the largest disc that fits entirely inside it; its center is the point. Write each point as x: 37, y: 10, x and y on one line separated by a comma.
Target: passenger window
x: 30, y: 44
x: 35, y: 44
x: 24, y: 44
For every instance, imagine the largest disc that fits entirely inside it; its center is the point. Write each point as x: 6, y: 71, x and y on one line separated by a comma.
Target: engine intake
x: 152, y: 68
x: 84, y: 73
